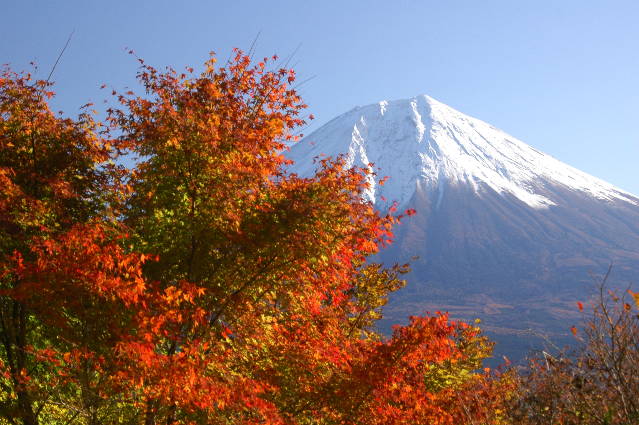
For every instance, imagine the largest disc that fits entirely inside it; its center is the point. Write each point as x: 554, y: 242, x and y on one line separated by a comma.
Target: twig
x: 251, y: 51
x: 60, y: 55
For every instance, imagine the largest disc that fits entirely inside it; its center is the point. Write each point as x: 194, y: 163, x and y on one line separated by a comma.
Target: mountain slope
x: 503, y: 232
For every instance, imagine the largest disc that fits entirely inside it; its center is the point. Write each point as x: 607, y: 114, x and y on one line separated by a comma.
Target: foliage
x: 599, y: 383
x: 206, y: 284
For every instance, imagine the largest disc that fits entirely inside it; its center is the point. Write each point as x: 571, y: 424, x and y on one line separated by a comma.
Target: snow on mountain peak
x: 421, y: 141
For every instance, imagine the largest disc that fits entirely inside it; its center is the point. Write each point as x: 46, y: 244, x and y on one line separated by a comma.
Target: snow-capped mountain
x: 503, y: 232
x: 422, y: 142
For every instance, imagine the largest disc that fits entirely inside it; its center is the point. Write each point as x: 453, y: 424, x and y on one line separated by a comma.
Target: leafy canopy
x: 206, y: 284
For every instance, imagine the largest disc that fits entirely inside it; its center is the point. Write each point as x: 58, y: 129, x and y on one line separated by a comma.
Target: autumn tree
x: 206, y: 284
x: 598, y: 383
x: 62, y: 270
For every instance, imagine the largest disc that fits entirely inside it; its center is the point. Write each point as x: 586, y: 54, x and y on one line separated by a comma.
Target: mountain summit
x: 503, y: 231
x: 420, y: 142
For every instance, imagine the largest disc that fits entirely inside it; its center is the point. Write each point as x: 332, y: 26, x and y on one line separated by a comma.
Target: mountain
x: 503, y: 232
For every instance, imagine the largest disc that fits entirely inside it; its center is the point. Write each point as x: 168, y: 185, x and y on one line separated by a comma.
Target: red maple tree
x: 206, y: 284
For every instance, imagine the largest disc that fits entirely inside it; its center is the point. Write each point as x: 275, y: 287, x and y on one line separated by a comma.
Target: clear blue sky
x: 561, y: 75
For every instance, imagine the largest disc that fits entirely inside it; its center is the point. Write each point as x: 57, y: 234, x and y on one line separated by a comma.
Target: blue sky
x: 561, y: 75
